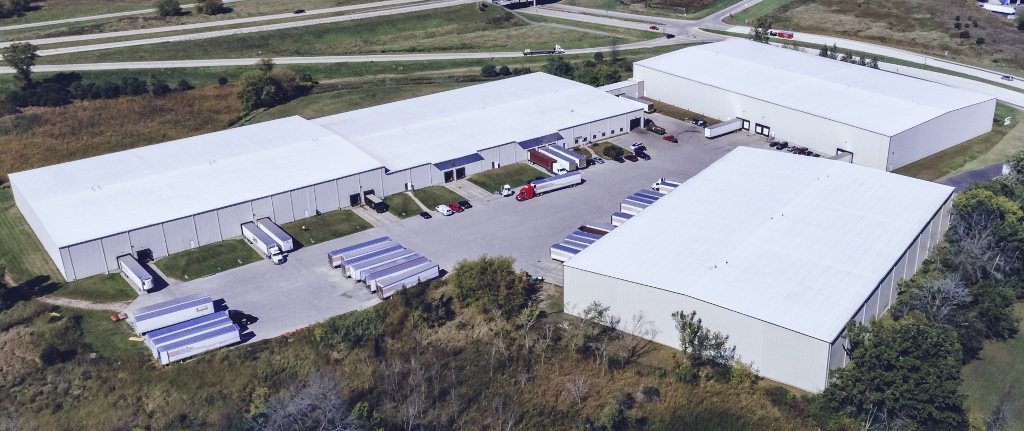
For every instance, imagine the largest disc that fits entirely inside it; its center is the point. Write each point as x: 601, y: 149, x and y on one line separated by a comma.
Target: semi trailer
x: 375, y: 203
x: 664, y: 186
x: 263, y: 242
x: 192, y: 337
x: 557, y: 50
x: 551, y: 164
x: 351, y: 263
x: 336, y: 258
x: 360, y: 272
x: 550, y: 184
x: 171, y: 312
x: 277, y: 234
x: 618, y: 218
x: 576, y: 160
x: 135, y: 272
x: 387, y: 286
x: 370, y: 279
x: 723, y: 128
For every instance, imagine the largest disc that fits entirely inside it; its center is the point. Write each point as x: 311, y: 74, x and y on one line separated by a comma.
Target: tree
x: 21, y: 56
x: 823, y: 52
x: 50, y: 355
x: 157, y: 86
x: 490, y: 283
x: 937, y: 298
x: 210, y: 7
x: 559, y: 67
x: 265, y: 65
x: 979, y: 41
x: 612, y: 152
x: 183, y: 85
x: 315, y: 404
x: 222, y: 80
x: 906, y: 370
x: 504, y: 71
x: 759, y: 32
x: 488, y: 71
x: 999, y: 419
x: 699, y: 343
x: 167, y: 7
x: 598, y: 56
x: 965, y: 34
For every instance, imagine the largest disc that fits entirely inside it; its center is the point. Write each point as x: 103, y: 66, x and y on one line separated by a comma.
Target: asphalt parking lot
x: 305, y: 290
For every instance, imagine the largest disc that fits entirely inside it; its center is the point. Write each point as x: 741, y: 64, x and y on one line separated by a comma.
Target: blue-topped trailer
x: 387, y: 286
x: 618, y: 218
x: 167, y: 313
x: 336, y: 258
x: 562, y: 253
x: 391, y: 247
x: 192, y: 337
x: 361, y: 273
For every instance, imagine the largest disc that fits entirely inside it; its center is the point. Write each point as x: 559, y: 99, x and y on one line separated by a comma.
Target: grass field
x: 107, y: 338
x: 677, y: 9
x: 325, y: 227
x: 627, y: 35
x: 583, y: 151
x: 598, y: 148
x: 51, y: 10
x: 951, y: 160
x: 99, y: 288
x: 20, y: 251
x: 453, y: 29
x: 999, y: 370
x: 208, y: 259
x: 436, y: 195
x: 515, y: 175
x: 402, y: 205
x: 758, y: 10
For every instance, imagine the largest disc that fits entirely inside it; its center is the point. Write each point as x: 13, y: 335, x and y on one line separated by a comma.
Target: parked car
x: 669, y: 36
x: 298, y: 11
x: 643, y: 155
x: 426, y: 215
x: 454, y: 206
x: 636, y: 146
x: 699, y: 122
x: 620, y: 159
x: 1007, y: 78
x: 241, y: 319
x: 654, y: 27
x: 597, y: 160
x: 444, y: 210
x: 630, y: 157
x: 465, y: 205
x: 671, y: 139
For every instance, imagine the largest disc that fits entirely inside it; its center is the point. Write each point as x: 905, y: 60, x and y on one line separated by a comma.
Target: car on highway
x: 630, y: 157
x: 298, y: 11
x: 444, y: 210
x: 671, y: 139
x: 597, y: 160
x: 1007, y: 78
x: 454, y: 206
x: 426, y: 215
x: 654, y: 27
x: 465, y: 205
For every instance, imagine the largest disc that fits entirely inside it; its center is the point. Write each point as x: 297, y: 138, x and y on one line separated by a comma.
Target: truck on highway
x: 279, y: 235
x: 553, y: 165
x: 263, y: 242
x: 135, y: 272
x: 557, y: 50
x: 550, y: 184
x: 723, y: 128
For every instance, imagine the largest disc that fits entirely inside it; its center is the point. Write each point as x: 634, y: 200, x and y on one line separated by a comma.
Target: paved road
x: 324, y: 59
x: 201, y: 25
x: 93, y: 17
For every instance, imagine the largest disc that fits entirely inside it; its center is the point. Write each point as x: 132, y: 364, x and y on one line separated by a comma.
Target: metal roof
x: 92, y: 198
x: 456, y: 123
x: 869, y: 99
x: 171, y: 306
x: 794, y: 241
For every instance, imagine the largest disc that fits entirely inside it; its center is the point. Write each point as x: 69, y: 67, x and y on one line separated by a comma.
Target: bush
x: 490, y: 283
x: 167, y: 7
x: 351, y: 329
x: 504, y: 71
x: 979, y: 41
x: 430, y: 313
x: 183, y: 85
x: 965, y: 34
x: 957, y: 25
x: 598, y: 57
x: 488, y: 71
x: 613, y: 152
x: 222, y: 80
x: 210, y: 7
x: 132, y: 86
x: 51, y: 355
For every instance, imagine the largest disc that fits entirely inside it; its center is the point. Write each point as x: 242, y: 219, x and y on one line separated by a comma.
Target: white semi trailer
x: 263, y: 242
x: 171, y: 312
x: 192, y: 337
x: 279, y: 235
x: 135, y: 272
x: 722, y: 128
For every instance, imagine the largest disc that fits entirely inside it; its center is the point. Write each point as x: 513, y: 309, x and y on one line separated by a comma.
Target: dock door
x: 763, y: 130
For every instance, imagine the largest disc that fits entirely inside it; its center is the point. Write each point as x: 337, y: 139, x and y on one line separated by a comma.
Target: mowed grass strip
x: 999, y: 370
x: 99, y: 288
x: 105, y: 337
x: 515, y: 175
x: 20, y: 251
x: 453, y: 29
x: 436, y: 195
x: 947, y: 161
x: 762, y: 8
x: 208, y: 259
x: 325, y: 227
x: 402, y: 205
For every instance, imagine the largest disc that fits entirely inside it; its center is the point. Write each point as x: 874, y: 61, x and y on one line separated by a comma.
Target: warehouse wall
x: 100, y: 256
x: 941, y: 133
x: 40, y: 229
x: 780, y: 354
x: 803, y: 129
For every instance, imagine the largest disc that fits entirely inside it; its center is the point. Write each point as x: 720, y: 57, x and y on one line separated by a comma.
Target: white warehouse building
x: 447, y: 136
x: 774, y: 250
x: 884, y: 119
x: 170, y: 197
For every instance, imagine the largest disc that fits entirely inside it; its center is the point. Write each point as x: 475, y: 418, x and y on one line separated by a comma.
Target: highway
x: 93, y: 17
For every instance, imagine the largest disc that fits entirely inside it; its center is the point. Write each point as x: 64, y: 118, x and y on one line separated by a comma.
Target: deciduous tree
x: 21, y: 56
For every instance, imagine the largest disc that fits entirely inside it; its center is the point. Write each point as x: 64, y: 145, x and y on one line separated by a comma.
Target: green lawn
x: 106, y: 337
x: 598, y: 148
x: 325, y: 227
x: 1000, y: 369
x: 99, y: 288
x: 20, y: 251
x: 950, y: 160
x: 436, y: 195
x: 583, y: 151
x: 627, y: 35
x: 756, y: 11
x: 515, y: 175
x: 208, y: 259
x: 402, y: 205
x: 452, y: 29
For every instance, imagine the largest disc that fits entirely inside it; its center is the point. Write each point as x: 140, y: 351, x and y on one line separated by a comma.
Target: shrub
x: 598, y: 57
x: 965, y: 34
x: 488, y: 71
x: 612, y: 152
x: 649, y: 394
x: 957, y: 26
x: 50, y: 355
x: 351, y: 329
x: 490, y: 283
x: 167, y: 7
x: 504, y: 71
x: 158, y: 87
x: 183, y: 85
x: 979, y: 41
x: 222, y: 80
x: 210, y: 7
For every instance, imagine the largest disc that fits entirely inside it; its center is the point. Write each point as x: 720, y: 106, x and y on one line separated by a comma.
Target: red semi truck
x: 550, y: 184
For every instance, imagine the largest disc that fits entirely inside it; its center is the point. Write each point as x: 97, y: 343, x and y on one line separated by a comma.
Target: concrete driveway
x: 305, y: 290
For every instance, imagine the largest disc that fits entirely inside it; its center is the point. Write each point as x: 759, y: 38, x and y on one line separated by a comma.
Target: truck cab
x: 275, y: 254
x: 527, y: 192
x: 506, y: 191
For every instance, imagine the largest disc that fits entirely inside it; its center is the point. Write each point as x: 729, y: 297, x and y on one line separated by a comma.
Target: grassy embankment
x: 764, y: 7
x: 625, y: 35
x: 687, y: 9
x: 991, y: 147
x: 454, y: 29
x: 20, y: 252
x: 515, y: 175
x: 436, y: 195
x: 1000, y: 370
x: 99, y: 288
x: 208, y: 259
x: 325, y: 227
x: 402, y: 205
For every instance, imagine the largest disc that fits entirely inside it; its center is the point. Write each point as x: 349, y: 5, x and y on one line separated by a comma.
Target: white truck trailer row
x: 575, y: 160
x: 361, y: 274
x: 664, y: 186
x: 140, y: 278
x: 378, y: 256
x: 388, y: 285
x: 336, y: 258
x: 383, y: 265
x: 277, y: 234
x: 262, y: 243
x: 171, y: 312
x: 192, y: 337
x: 618, y: 218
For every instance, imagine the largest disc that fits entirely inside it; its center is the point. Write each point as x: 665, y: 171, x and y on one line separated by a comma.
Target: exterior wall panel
x: 779, y: 354
x: 231, y: 219
x: 372, y: 180
x: 347, y: 186
x: 303, y: 204
x: 507, y: 154
x: 327, y: 196
x: 283, y: 208
x: 68, y: 266
x: 420, y: 176
x: 940, y: 133
x: 263, y: 207
x: 115, y: 246
x: 207, y: 227
x: 180, y: 235
x: 151, y: 238
x: 88, y: 258
x: 887, y: 294
x: 492, y: 157
x: 395, y: 182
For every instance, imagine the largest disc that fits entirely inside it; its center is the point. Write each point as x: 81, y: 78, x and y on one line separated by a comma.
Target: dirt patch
x: 116, y: 307
x: 17, y: 352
